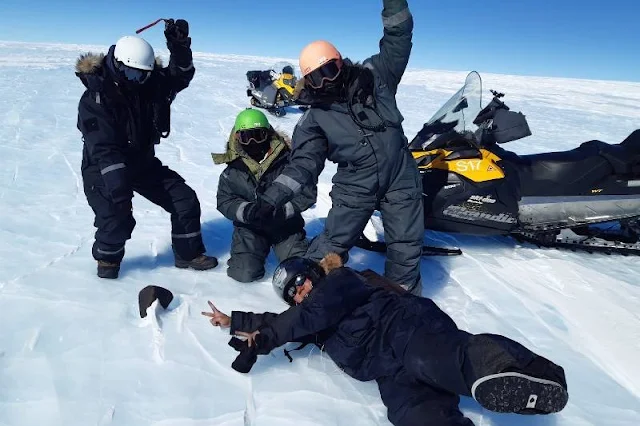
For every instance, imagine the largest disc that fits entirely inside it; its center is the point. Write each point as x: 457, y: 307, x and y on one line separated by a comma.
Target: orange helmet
x: 316, y: 54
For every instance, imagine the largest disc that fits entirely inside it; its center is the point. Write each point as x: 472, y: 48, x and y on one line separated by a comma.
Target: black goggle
x: 245, y: 137
x: 133, y: 74
x: 327, y: 72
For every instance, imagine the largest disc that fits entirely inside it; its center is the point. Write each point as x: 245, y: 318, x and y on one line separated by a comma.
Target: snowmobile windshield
x: 284, y: 67
x: 463, y: 107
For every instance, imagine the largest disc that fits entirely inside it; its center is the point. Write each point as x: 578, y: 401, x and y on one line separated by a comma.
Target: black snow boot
x: 200, y: 263
x: 108, y: 269
x: 539, y: 388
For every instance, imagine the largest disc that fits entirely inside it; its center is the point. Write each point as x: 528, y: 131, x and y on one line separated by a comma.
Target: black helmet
x: 293, y: 272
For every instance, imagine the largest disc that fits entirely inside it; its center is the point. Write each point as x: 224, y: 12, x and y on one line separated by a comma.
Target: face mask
x: 256, y: 151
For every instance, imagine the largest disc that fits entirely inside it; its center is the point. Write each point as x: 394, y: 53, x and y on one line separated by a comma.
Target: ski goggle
x: 327, y: 72
x: 247, y: 136
x: 133, y: 74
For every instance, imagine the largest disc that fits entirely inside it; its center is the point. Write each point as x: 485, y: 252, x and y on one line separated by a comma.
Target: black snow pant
x: 160, y: 185
x: 402, y: 218
x: 438, y: 367
x: 250, y: 249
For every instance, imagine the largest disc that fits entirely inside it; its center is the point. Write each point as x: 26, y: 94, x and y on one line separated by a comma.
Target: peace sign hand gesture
x: 217, y: 318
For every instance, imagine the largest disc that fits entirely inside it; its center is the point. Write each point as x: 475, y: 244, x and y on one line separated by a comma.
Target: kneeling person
x: 255, y: 156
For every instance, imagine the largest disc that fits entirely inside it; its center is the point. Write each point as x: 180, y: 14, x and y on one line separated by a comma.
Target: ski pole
x: 150, y: 25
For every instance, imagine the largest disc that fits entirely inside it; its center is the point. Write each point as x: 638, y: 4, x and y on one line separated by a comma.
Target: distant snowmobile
x: 586, y: 199
x: 272, y: 90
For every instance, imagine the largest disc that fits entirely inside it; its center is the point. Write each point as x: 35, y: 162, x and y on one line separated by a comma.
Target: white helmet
x: 135, y: 52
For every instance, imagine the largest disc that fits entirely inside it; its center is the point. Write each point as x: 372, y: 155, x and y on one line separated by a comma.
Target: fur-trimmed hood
x: 90, y: 62
x: 279, y: 142
x: 91, y: 68
x: 333, y: 261
x: 330, y: 262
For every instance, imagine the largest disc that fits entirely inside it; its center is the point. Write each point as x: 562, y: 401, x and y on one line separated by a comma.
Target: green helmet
x: 251, y: 119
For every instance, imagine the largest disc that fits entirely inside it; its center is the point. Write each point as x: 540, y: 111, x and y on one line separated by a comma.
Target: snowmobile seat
x: 624, y: 157
x: 568, y: 172
x: 579, y: 170
x: 632, y: 142
x: 632, y: 146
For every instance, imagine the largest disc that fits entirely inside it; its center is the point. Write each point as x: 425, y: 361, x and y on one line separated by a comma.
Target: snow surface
x: 74, y: 351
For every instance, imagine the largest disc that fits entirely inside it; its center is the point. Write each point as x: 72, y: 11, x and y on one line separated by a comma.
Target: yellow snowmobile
x: 272, y: 90
x: 587, y: 198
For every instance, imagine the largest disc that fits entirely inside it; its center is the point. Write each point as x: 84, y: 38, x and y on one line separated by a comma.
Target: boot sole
x: 108, y: 277
x: 187, y: 265
x: 518, y: 393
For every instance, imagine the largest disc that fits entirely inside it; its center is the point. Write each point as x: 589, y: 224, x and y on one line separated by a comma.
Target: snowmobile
x: 272, y: 90
x: 587, y: 198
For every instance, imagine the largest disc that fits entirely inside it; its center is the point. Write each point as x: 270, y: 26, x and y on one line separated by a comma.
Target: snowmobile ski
x: 381, y: 247
x: 590, y: 242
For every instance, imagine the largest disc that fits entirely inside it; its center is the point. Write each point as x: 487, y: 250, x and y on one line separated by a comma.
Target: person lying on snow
x: 256, y: 154
x: 373, y: 329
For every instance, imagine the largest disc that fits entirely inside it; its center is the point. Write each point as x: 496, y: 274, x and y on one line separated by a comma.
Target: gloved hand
x: 178, y: 41
x: 177, y: 32
x: 279, y: 215
x: 246, y: 358
x: 258, y: 213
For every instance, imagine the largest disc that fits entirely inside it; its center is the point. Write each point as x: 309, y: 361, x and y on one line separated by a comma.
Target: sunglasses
x: 133, y: 74
x: 327, y: 72
x: 293, y: 288
x: 247, y: 136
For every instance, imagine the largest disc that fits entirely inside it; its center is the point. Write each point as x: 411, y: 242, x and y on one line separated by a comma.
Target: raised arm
x: 395, y: 45
x: 181, y: 70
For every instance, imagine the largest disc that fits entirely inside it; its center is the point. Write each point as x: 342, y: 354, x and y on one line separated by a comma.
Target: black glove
x: 177, y: 32
x: 279, y: 215
x: 237, y: 344
x: 247, y: 356
x: 178, y: 41
x: 258, y: 213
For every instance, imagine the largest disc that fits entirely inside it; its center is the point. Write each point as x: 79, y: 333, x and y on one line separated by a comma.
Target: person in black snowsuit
x: 375, y: 330
x: 122, y: 114
x: 353, y: 120
x: 253, y: 164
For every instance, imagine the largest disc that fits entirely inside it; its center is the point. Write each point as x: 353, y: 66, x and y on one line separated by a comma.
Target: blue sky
x: 564, y: 38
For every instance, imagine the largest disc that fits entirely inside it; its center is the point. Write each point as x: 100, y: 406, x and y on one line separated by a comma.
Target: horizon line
x: 295, y: 60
